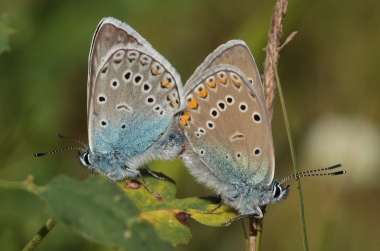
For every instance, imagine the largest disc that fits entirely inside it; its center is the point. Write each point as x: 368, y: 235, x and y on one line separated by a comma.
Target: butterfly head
x: 248, y: 200
x: 279, y: 193
x: 84, y: 159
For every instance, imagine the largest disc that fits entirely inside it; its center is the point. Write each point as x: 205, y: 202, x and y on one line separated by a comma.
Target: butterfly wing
x: 237, y: 53
x: 226, y: 120
x: 133, y: 92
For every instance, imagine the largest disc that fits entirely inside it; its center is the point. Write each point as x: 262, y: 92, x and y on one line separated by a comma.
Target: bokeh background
x: 330, y: 75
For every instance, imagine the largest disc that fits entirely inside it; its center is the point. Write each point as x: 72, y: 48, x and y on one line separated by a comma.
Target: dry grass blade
x: 272, y: 56
x: 272, y: 50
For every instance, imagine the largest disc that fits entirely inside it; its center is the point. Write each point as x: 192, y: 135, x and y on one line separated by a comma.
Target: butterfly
x: 229, y: 144
x: 133, y: 93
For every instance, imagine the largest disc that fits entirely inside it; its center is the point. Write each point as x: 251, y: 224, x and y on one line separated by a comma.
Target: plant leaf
x: 127, y: 215
x: 98, y: 210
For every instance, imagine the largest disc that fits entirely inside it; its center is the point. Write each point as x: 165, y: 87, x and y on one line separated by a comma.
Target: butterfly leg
x: 239, y: 217
x: 213, y: 210
x: 155, y: 175
x: 147, y: 187
x: 257, y: 214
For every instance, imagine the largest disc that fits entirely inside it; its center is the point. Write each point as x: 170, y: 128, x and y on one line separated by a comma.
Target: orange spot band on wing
x: 192, y: 103
x: 185, y: 118
x: 165, y: 83
x: 222, y: 78
x: 236, y: 83
x: 211, y: 83
x: 203, y: 93
x: 155, y: 71
x: 173, y: 104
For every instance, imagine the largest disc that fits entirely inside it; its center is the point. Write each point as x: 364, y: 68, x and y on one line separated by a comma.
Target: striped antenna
x: 307, y: 173
x: 72, y: 139
x: 64, y: 149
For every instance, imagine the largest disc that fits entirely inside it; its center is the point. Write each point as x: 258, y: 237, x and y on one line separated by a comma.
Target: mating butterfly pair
x: 218, y: 123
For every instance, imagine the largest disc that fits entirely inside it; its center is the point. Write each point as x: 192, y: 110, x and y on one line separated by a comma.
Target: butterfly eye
x: 86, y: 159
x: 277, y: 191
x: 233, y: 198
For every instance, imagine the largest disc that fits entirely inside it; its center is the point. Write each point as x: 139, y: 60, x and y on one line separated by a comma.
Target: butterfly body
x: 133, y: 94
x: 229, y: 145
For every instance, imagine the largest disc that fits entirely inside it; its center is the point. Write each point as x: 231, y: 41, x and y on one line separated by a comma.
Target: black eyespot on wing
x: 256, y: 117
x: 221, y: 105
x: 102, y: 99
x: 127, y: 75
x: 257, y: 151
x: 214, y: 113
x: 243, y: 107
x: 137, y: 79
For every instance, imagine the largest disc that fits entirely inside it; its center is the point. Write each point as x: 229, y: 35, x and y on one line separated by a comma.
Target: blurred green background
x: 330, y: 75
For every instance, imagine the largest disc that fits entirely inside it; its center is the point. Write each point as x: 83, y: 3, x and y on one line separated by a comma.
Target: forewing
x: 133, y: 91
x: 236, y: 53
x: 226, y: 119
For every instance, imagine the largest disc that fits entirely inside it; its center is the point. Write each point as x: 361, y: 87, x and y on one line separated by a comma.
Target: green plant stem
x: 301, y: 206
x: 45, y: 229
x: 26, y: 185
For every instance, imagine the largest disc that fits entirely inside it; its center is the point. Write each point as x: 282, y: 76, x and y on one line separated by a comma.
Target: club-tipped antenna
x: 72, y: 139
x: 64, y: 149
x: 307, y: 173
x: 59, y: 150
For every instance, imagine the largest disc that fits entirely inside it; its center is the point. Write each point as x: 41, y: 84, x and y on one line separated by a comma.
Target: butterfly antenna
x: 59, y: 150
x: 312, y: 173
x: 64, y: 149
x: 72, y: 139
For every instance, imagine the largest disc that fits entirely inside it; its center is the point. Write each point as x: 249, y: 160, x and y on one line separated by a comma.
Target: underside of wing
x: 226, y: 124
x: 133, y: 91
x: 236, y: 53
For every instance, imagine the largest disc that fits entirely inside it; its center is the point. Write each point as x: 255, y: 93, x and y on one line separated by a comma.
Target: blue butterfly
x: 229, y: 145
x: 133, y: 95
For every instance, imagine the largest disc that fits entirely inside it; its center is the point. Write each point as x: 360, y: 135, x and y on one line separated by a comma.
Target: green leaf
x: 100, y: 211
x: 126, y: 215
x: 4, y: 33
x: 167, y: 189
